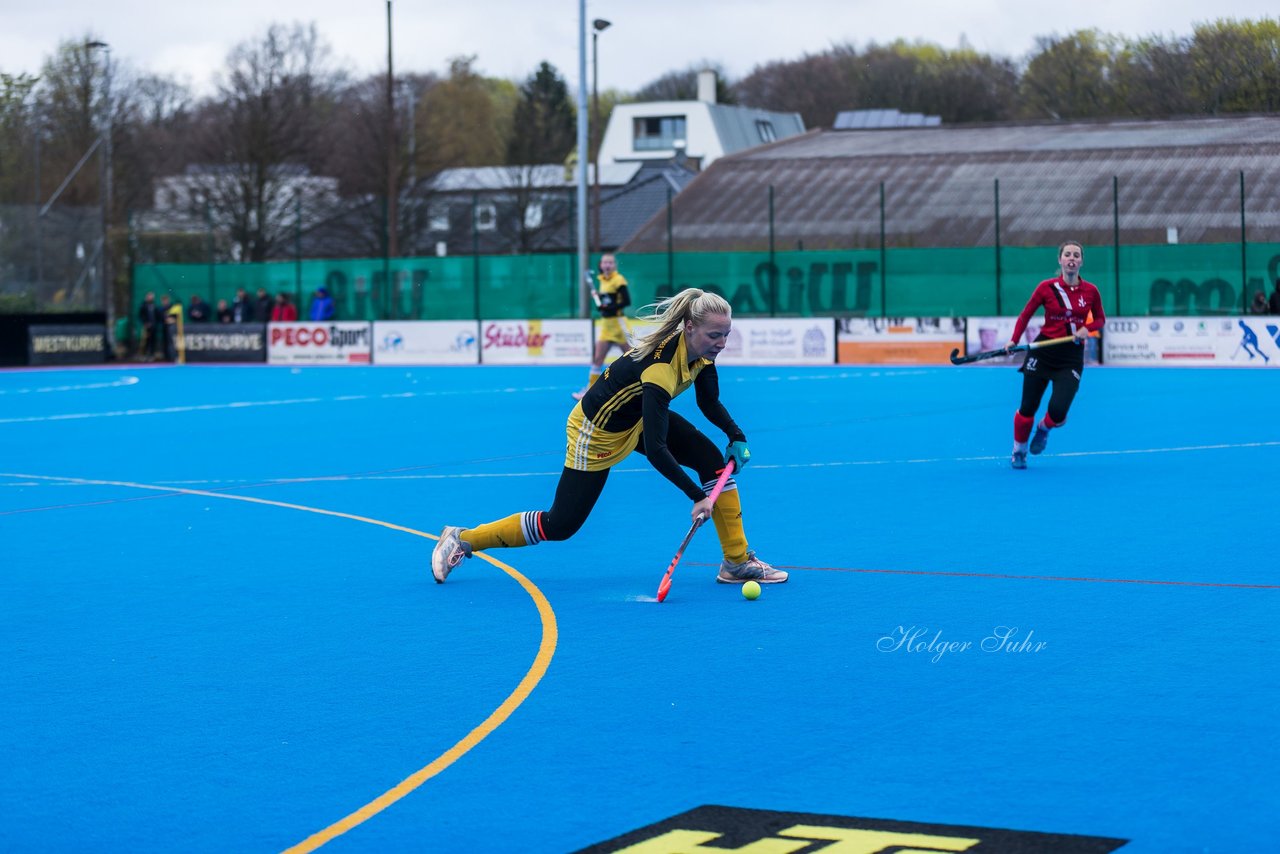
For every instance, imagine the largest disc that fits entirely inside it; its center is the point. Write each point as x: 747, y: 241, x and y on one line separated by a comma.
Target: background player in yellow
x: 629, y: 410
x: 611, y: 296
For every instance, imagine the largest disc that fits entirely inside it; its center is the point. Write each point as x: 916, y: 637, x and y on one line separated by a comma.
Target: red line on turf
x: 1022, y: 577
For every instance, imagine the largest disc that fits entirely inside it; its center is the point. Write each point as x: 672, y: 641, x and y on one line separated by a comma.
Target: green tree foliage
x: 960, y: 85
x: 17, y: 137
x: 71, y: 96
x: 545, y: 121
x: 464, y: 120
x: 1235, y: 66
x: 1068, y: 78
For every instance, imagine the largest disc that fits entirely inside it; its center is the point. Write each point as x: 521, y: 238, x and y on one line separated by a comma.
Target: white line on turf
x: 754, y: 466
x: 119, y: 383
x: 243, y: 404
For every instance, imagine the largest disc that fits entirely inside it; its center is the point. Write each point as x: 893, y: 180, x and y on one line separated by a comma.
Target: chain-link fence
x: 50, y: 262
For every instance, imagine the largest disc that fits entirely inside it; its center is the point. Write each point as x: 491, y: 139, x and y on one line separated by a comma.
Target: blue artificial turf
x: 194, y: 671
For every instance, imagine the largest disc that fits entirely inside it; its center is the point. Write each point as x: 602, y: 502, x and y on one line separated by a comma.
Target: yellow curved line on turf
x: 546, y: 649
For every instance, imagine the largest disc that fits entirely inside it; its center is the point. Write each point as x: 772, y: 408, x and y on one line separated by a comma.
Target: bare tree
x: 1152, y: 77
x: 683, y: 85
x: 264, y: 136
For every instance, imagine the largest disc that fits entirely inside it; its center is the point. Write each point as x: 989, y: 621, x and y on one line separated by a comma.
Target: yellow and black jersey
x: 632, y: 398
x: 614, y: 296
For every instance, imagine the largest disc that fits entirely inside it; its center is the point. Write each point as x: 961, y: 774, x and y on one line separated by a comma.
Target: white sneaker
x: 448, y: 553
x: 578, y: 395
x: 751, y: 569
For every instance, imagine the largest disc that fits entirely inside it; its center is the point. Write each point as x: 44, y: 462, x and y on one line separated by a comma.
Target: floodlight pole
x: 584, y: 297
x: 105, y: 139
x: 598, y: 26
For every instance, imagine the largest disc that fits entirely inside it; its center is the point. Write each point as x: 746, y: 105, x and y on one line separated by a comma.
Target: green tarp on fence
x: 1164, y: 279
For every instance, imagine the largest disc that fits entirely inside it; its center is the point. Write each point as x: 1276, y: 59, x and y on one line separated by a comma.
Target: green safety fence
x: 1199, y: 279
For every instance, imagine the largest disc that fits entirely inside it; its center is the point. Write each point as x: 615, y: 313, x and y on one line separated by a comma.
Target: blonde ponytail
x: 670, y: 314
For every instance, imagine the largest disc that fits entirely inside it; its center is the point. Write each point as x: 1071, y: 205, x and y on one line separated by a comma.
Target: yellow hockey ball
x: 751, y: 590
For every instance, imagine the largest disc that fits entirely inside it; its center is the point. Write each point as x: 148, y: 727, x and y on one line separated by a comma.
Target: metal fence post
x: 884, y: 308
x: 671, y: 254
x: 1115, y: 233
x: 475, y: 251
x: 997, y: 246
x: 773, y: 267
x: 1244, y: 252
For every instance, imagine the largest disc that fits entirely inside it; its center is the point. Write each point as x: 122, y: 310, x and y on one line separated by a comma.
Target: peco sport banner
x: 78, y: 344
x: 225, y: 342
x: 1229, y: 342
x: 333, y: 342
x: 780, y: 341
x: 536, y: 342
x: 898, y: 340
x: 426, y: 342
x: 991, y: 333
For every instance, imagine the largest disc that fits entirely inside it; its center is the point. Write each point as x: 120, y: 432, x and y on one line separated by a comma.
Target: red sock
x: 1048, y: 423
x: 1022, y: 427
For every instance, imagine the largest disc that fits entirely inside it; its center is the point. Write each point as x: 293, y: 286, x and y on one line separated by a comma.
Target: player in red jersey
x: 1072, y: 307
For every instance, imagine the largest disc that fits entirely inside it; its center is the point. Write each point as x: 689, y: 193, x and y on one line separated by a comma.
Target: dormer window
x: 766, y: 131
x: 657, y: 133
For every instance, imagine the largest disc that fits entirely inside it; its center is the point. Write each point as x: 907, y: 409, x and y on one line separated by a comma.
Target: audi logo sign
x: 1122, y: 326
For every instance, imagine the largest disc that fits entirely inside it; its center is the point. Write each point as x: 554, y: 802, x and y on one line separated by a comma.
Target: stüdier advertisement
x: 333, y: 342
x: 991, y: 333
x: 780, y: 341
x: 1162, y: 342
x: 898, y: 340
x: 426, y: 342
x: 535, y: 342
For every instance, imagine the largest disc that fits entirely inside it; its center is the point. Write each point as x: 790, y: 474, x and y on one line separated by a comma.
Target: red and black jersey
x: 1066, y: 309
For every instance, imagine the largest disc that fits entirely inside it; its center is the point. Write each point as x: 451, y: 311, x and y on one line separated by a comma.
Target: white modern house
x: 700, y: 131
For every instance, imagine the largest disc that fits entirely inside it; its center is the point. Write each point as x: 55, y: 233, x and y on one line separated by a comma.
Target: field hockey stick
x: 957, y: 359
x: 590, y: 281
x: 665, y: 586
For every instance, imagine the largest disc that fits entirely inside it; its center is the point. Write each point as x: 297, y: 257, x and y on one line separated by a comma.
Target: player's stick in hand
x: 665, y: 587
x: 957, y: 359
x: 590, y: 281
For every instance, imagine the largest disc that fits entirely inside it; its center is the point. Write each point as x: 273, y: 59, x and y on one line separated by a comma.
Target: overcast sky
x: 510, y: 37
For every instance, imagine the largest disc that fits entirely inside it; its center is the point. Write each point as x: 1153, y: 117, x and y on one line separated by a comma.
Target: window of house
x: 486, y: 216
x: 438, y: 218
x: 533, y: 215
x: 658, y: 132
x: 765, y: 129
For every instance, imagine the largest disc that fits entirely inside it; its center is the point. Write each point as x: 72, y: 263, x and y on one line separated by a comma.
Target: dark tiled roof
x: 624, y: 210
x: 939, y: 187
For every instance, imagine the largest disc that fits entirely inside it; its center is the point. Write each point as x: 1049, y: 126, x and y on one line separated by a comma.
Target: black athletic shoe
x: 1039, y: 440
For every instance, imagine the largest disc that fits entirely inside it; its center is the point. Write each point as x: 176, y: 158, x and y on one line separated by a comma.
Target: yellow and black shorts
x: 589, y: 448
x: 612, y: 330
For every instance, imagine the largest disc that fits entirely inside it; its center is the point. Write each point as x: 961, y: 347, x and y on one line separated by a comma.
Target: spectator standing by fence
x: 263, y: 311
x: 321, y: 305
x: 198, y: 311
x: 242, y: 308
x: 149, y: 322
x: 284, y: 310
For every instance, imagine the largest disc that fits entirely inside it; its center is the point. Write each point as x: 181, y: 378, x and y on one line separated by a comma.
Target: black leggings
x: 578, y: 491
x: 1065, y: 385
